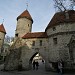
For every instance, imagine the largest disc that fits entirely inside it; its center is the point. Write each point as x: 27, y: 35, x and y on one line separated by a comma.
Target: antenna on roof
x: 3, y: 21
x: 26, y: 5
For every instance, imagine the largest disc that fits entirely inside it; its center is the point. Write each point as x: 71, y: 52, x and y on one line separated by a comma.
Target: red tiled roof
x: 2, y: 29
x: 35, y: 35
x: 60, y: 17
x: 25, y: 14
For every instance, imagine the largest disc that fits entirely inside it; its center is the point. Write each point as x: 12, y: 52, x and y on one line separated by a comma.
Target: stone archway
x: 38, y: 58
x: 31, y: 59
x: 26, y: 55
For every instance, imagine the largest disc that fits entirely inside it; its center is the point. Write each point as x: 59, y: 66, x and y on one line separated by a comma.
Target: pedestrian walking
x: 42, y: 61
x: 37, y: 64
x: 60, y: 67
x: 34, y: 65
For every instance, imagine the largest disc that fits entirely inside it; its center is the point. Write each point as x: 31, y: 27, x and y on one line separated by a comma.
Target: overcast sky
x: 41, y: 11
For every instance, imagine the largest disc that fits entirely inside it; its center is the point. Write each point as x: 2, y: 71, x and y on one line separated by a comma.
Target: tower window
x: 28, y: 25
x: 40, y: 42
x: 55, y: 40
x: 33, y: 43
x: 54, y: 28
x: 16, y: 35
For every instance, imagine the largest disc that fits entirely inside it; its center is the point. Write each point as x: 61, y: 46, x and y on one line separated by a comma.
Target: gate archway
x: 38, y: 58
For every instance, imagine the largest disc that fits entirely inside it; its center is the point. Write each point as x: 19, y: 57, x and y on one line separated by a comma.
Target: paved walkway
x: 40, y: 71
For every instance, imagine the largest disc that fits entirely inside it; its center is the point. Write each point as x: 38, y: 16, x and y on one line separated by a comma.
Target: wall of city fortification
x: 31, y: 50
x: 61, y: 49
x: 24, y: 25
x: 37, y: 47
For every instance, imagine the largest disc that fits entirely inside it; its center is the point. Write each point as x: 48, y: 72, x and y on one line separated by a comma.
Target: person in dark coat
x: 37, y: 64
x: 34, y: 65
x: 60, y: 67
x: 42, y: 61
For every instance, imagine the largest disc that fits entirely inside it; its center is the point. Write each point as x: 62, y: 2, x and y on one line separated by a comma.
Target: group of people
x: 35, y: 65
x: 59, y: 66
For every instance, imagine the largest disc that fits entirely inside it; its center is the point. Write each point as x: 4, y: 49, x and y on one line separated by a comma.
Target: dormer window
x: 54, y: 28
x: 66, y: 14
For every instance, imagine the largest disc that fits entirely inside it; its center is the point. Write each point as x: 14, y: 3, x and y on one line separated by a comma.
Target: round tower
x: 61, y: 35
x: 2, y: 36
x: 24, y: 24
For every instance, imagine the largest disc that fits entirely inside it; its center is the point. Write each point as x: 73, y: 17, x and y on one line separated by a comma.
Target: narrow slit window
x: 33, y: 43
x: 40, y: 42
x: 54, y: 28
x: 55, y: 40
x: 28, y: 25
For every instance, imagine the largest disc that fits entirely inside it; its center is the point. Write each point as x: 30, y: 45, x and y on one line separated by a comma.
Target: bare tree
x: 63, y: 5
x: 8, y: 39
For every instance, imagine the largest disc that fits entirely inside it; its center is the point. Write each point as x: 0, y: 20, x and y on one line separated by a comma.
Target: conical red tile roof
x: 2, y: 29
x: 25, y: 14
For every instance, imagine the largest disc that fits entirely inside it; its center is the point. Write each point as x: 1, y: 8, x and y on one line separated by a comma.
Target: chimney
x: 66, y: 15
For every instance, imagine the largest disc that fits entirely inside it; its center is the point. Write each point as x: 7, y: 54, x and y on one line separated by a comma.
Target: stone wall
x: 58, y: 51
x: 22, y: 50
x: 12, y: 60
x: 28, y: 53
x: 63, y: 33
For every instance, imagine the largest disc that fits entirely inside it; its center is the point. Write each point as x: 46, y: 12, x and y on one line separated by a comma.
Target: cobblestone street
x: 40, y: 71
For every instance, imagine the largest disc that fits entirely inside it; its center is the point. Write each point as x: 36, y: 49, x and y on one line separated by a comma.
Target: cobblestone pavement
x: 31, y: 72
x: 40, y: 71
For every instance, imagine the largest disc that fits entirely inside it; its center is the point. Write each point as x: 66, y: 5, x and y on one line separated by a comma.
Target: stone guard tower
x: 24, y: 24
x: 2, y: 36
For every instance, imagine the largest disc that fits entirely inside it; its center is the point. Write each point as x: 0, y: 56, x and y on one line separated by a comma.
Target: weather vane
x: 3, y: 21
x: 27, y: 5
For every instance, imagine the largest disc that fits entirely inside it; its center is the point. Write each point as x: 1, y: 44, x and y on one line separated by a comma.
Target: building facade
x: 56, y: 43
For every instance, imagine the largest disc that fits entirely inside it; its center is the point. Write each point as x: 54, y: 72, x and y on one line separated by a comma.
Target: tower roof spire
x: 25, y: 14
